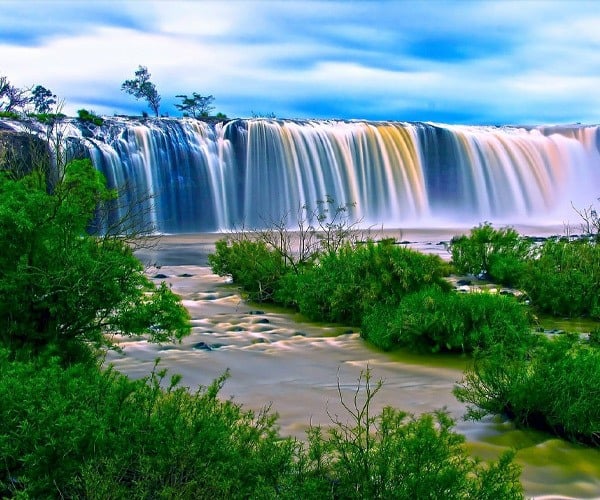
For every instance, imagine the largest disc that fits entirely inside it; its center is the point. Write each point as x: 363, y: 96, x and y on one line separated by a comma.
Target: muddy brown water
x: 276, y: 358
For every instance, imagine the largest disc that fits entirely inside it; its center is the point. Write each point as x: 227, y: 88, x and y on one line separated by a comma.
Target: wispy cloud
x: 456, y: 61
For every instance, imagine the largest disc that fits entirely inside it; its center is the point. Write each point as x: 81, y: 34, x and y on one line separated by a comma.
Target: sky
x: 521, y: 62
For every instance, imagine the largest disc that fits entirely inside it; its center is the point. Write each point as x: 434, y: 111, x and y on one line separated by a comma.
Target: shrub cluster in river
x: 399, y: 297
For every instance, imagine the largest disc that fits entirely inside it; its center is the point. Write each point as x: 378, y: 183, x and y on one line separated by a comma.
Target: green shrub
x: 89, y: 117
x: 435, y: 320
x: 342, y: 285
x: 47, y: 117
x: 10, y: 114
x: 564, y: 279
x: 63, y: 289
x: 554, y: 385
x: 84, y: 433
x: 251, y: 264
x: 396, y: 455
x: 500, y: 254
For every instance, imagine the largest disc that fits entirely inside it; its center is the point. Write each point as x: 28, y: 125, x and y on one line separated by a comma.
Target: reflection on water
x: 296, y: 367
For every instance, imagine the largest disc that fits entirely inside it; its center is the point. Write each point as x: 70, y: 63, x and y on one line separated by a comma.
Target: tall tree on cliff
x: 141, y: 87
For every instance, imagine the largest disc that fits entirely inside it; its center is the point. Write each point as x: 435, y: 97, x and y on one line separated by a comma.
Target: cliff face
x: 21, y: 152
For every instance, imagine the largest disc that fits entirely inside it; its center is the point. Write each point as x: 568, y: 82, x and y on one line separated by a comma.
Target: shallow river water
x: 276, y: 358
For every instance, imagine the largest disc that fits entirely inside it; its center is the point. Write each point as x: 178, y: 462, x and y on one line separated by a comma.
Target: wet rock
x: 203, y: 346
x: 261, y: 321
x: 160, y: 276
x: 185, y: 275
x: 464, y: 282
x: 256, y: 312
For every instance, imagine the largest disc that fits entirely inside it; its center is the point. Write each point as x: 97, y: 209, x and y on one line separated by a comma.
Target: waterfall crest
x: 216, y: 177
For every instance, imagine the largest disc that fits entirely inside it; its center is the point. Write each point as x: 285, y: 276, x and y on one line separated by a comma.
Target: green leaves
x: 141, y: 87
x: 61, y: 288
x: 498, y: 253
x: 552, y: 385
x: 436, y: 320
x: 564, y: 279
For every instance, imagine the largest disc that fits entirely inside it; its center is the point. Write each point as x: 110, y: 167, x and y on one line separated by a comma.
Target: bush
x: 83, y: 433
x: 89, y: 117
x: 62, y: 289
x: 499, y: 254
x: 344, y: 284
x: 434, y: 320
x: 48, y: 118
x: 564, y: 279
x: 552, y: 385
x: 251, y: 264
x: 397, y: 455
x: 10, y: 115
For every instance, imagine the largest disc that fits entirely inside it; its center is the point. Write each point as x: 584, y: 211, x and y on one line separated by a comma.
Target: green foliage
x: 10, y: 115
x: 594, y: 337
x: 141, y: 87
x: 84, y: 433
x: 89, y: 117
x: 43, y: 99
x: 48, y: 118
x: 63, y: 289
x: 198, y: 106
x: 435, y: 320
x: 344, y: 284
x: 498, y: 253
x: 564, y: 278
x: 251, y: 264
x: 396, y: 455
x: 553, y: 385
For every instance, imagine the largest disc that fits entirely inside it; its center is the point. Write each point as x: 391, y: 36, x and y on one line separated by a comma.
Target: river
x: 276, y: 358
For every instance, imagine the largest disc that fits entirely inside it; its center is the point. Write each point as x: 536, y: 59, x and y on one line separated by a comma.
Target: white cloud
x: 499, y: 61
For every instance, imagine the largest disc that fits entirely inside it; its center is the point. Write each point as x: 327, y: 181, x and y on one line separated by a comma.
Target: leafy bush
x: 10, y: 114
x: 498, y: 253
x: 89, y: 117
x: 83, y: 433
x: 62, y: 289
x: 47, y: 117
x: 251, y: 264
x: 344, y: 284
x: 396, y: 455
x: 434, y: 320
x: 554, y: 385
x: 564, y: 279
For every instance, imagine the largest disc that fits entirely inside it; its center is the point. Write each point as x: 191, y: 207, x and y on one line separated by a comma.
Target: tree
x: 60, y: 288
x: 197, y: 105
x: 11, y: 97
x: 42, y: 99
x: 142, y: 88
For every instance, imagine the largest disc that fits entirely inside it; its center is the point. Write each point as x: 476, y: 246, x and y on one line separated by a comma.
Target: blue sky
x: 472, y: 62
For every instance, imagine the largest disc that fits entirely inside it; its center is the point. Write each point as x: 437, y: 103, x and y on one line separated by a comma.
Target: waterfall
x: 183, y: 175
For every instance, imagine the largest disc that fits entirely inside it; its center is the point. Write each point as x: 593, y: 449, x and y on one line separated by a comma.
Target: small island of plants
x: 400, y: 298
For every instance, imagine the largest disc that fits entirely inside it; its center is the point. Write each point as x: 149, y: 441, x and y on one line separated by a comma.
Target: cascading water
x: 191, y: 176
